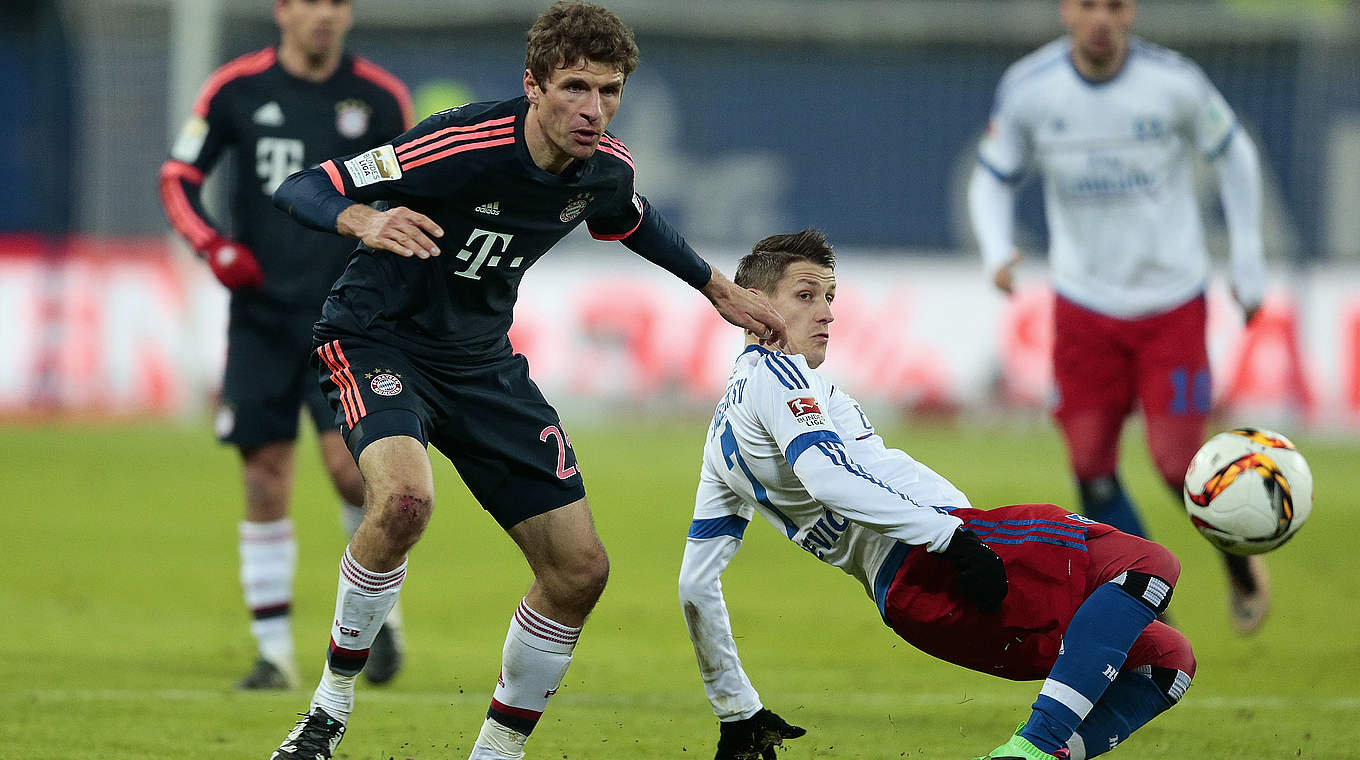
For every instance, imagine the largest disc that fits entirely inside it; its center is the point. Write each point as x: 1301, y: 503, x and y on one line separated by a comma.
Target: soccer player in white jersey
x: 1112, y: 124
x: 1026, y: 592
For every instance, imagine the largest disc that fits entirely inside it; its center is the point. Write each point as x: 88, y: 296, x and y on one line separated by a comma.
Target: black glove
x: 754, y: 738
x: 982, y: 576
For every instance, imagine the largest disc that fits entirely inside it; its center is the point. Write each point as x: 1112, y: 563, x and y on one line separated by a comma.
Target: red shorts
x: 1054, y: 559
x: 1104, y: 364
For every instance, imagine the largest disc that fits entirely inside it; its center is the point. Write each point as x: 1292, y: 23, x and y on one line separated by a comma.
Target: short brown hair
x: 570, y: 32
x: 764, y: 266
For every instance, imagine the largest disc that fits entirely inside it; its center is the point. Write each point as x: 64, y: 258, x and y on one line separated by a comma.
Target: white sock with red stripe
x: 350, y: 517
x: 268, y: 564
x: 536, y: 655
x: 362, y: 602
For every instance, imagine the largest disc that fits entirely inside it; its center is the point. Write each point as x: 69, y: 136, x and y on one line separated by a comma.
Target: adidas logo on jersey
x: 490, y: 209
x: 269, y: 115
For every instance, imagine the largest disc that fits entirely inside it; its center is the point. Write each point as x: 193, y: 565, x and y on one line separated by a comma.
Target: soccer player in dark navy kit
x: 413, y: 348
x: 280, y: 109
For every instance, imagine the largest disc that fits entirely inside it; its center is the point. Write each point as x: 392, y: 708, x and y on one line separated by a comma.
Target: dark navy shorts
x: 268, y: 379
x: 485, y: 415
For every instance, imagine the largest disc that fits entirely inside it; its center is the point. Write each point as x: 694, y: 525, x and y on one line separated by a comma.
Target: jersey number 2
x: 552, y: 431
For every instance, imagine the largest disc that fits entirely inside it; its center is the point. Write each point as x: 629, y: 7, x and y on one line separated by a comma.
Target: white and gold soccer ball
x: 1248, y: 490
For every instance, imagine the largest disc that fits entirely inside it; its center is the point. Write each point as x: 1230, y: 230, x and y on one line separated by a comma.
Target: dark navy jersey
x: 469, y: 169
x: 277, y: 124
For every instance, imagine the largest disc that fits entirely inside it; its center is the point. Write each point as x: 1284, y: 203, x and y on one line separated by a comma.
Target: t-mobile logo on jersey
x: 486, y: 253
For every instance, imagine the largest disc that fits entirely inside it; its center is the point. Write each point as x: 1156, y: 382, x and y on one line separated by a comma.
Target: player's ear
x: 531, y: 89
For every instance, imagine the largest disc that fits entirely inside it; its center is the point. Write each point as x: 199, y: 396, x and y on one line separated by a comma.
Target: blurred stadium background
x: 748, y: 117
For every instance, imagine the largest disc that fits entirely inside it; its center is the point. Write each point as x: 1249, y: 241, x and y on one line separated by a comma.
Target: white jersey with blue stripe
x: 788, y: 444
x: 1116, y: 163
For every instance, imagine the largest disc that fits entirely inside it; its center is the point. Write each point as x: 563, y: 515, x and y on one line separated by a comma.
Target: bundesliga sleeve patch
x: 806, y: 412
x: 189, y: 143
x: 377, y: 165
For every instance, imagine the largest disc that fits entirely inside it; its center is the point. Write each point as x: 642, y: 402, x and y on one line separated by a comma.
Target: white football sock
x: 362, y: 600
x: 268, y: 563
x: 536, y: 655
x: 350, y: 517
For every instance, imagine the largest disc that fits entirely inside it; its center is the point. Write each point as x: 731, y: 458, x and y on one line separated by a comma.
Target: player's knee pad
x: 1149, y: 589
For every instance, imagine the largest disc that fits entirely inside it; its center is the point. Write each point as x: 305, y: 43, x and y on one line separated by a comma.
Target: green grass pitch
x: 125, y: 626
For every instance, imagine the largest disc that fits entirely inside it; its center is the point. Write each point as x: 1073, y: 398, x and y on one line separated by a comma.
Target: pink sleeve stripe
x: 388, y: 81
x: 461, y: 148
x: 615, y: 152
x: 192, y: 227
x: 334, y: 173
x: 246, y: 65
x: 401, y: 149
x: 618, y: 237
x: 469, y: 137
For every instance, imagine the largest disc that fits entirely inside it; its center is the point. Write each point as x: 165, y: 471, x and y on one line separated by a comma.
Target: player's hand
x: 234, y: 265
x: 754, y: 738
x: 982, y: 575
x: 1004, y: 279
x: 745, y: 309
x: 398, y: 230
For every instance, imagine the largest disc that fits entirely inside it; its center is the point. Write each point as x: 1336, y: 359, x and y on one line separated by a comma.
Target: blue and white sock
x: 1135, y: 697
x: 1094, y: 648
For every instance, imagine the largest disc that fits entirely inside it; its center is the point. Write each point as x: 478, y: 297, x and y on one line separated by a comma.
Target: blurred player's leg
x: 1175, y: 392
x: 1094, y: 373
x: 268, y: 550
x: 386, y: 655
x: 570, y: 569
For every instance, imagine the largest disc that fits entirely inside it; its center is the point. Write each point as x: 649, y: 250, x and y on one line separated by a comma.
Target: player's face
x: 570, y: 112
x: 316, y: 27
x: 803, y: 298
x: 1100, y: 29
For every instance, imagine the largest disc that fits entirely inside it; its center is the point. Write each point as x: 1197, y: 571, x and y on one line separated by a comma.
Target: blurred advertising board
x: 132, y: 327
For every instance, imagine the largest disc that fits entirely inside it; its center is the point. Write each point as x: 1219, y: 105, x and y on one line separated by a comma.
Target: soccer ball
x: 1248, y: 490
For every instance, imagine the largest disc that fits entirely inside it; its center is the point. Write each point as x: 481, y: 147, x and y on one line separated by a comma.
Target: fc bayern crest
x: 386, y: 384
x: 351, y: 118
x: 575, y: 206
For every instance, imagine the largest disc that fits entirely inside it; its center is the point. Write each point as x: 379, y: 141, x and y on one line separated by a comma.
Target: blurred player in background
x: 1025, y: 592
x: 413, y: 348
x: 1112, y: 124
x: 280, y: 109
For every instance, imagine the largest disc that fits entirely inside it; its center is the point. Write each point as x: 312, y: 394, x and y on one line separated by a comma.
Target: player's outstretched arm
x: 754, y: 737
x: 747, y: 310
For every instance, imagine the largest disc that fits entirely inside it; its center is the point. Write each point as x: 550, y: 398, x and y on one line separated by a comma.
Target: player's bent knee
x: 1175, y: 666
x: 404, y: 514
x: 1159, y: 561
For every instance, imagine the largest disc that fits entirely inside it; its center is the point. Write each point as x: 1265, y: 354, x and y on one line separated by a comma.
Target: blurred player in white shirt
x: 1111, y: 124
x: 1026, y: 592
